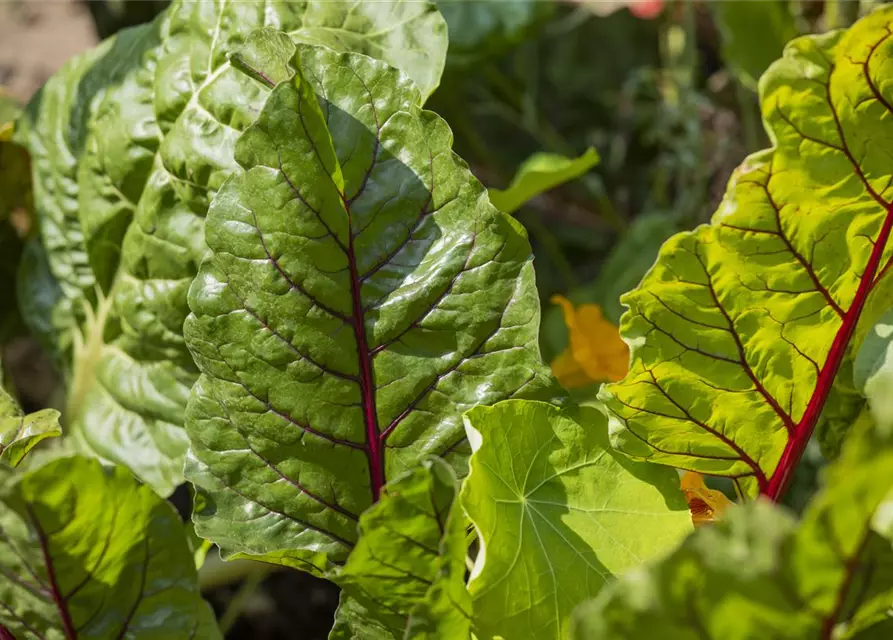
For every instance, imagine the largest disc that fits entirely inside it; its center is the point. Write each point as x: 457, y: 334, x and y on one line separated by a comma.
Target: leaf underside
x: 150, y: 119
x: 20, y: 433
x: 361, y: 293
x: 738, y: 331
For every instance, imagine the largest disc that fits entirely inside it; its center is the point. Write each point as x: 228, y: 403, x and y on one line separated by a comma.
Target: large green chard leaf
x: 407, y: 572
x: 558, y: 512
x: 758, y: 574
x: 738, y: 331
x: 149, y: 120
x: 361, y: 293
x: 87, y: 552
x: 19, y: 433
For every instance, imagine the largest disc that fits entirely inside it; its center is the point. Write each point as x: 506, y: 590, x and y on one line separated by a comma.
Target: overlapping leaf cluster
x: 258, y: 253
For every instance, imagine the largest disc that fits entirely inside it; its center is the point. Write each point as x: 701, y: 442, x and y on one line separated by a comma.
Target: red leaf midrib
x: 796, y: 444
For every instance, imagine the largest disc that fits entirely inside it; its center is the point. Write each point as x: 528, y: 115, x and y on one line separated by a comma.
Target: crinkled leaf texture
x: 88, y: 552
x: 407, y: 572
x: 558, y: 513
x: 538, y: 174
x: 360, y: 295
x: 738, y: 331
x: 759, y: 574
x: 130, y: 142
x: 19, y: 433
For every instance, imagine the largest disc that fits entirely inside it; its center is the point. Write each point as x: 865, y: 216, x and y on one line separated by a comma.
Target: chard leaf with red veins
x: 88, y: 552
x: 360, y: 294
x: 130, y: 142
x: 738, y: 331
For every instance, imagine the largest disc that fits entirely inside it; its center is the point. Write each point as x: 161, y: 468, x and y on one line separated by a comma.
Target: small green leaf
x: 408, y: 569
x: 753, y: 35
x: 359, y: 295
x: 558, y: 513
x: 19, y: 433
x: 87, y: 552
x: 539, y: 173
x: 758, y: 574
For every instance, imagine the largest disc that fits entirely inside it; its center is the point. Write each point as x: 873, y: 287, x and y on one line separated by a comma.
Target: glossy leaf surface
x: 738, y: 331
x: 151, y: 117
x: 407, y: 571
x: 558, y: 513
x: 361, y: 293
x: 19, y: 433
x: 538, y: 174
x: 759, y: 574
x: 87, y: 552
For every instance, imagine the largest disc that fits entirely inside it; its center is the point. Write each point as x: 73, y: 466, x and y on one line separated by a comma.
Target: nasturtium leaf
x: 360, y: 294
x: 19, y: 433
x: 407, y: 570
x: 739, y: 329
x: 131, y: 141
x: 759, y: 574
x: 558, y: 513
x: 479, y: 29
x: 538, y: 174
x: 753, y: 35
x: 87, y: 552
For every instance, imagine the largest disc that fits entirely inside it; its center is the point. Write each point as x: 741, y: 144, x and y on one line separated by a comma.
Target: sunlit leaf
x: 740, y: 328
x: 759, y: 574
x: 130, y: 142
x: 360, y: 294
x: 87, y: 552
x: 558, y: 513
x: 19, y: 433
x: 407, y: 571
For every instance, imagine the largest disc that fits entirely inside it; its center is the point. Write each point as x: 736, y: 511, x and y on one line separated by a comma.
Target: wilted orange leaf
x: 596, y: 352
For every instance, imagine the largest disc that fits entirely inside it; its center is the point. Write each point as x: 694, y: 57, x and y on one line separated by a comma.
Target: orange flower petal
x: 595, y: 344
x: 706, y: 505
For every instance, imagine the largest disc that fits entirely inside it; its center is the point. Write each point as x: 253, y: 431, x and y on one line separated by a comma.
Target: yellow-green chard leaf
x: 19, y: 433
x: 558, y: 513
x: 739, y: 330
x: 88, y: 552
x: 360, y: 294
x: 406, y: 576
x: 130, y: 143
x: 538, y: 174
x: 760, y: 574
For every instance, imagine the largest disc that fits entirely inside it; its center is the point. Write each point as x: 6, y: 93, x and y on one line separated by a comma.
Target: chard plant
x: 263, y: 271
